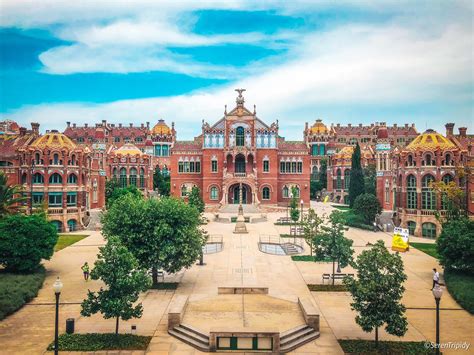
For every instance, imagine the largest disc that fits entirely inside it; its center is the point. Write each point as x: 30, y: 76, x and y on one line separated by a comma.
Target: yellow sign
x: 326, y: 199
x: 400, y: 239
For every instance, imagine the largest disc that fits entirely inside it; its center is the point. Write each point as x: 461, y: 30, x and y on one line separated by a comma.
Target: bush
x: 18, y: 289
x: 96, y: 342
x: 356, y: 220
x: 165, y: 286
x: 327, y: 288
x: 385, y: 347
x: 310, y: 258
x: 461, y: 286
x: 25, y: 241
x: 367, y: 206
x: 456, y: 245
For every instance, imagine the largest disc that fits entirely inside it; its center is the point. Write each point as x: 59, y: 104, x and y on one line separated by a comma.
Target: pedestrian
x: 435, y: 278
x: 85, y: 270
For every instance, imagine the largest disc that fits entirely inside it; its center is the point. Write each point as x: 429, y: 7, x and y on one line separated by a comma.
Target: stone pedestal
x: 240, y: 227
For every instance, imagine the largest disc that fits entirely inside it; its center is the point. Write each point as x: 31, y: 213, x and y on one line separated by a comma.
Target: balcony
x: 240, y: 175
x: 55, y: 210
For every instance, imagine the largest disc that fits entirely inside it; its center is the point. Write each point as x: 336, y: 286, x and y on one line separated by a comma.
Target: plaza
x: 30, y: 330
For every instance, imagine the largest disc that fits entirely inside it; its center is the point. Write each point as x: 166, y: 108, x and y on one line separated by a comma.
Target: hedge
x: 105, y: 341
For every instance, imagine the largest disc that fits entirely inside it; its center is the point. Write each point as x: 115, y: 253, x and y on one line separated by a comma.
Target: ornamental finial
x: 240, y: 99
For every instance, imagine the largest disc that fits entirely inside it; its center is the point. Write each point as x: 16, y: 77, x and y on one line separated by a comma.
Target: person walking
x: 435, y: 278
x: 85, y: 270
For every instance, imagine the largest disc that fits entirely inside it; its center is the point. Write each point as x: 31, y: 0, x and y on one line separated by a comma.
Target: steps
x: 94, y: 220
x: 296, y: 337
x: 191, y: 336
x: 289, y: 249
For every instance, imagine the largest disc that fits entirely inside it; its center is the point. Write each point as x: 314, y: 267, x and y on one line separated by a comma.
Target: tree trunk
x: 154, y: 275
x: 117, y: 325
x: 333, y: 270
x: 377, y: 337
x: 311, y: 246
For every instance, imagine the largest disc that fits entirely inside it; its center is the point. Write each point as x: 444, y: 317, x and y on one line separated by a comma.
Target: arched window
x: 444, y: 199
x: 72, y: 179
x: 133, y: 176
x: 266, y: 193
x: 296, y: 191
x: 38, y: 179
x: 55, y: 179
x: 73, y: 159
x: 428, y: 230
x: 347, y: 179
x: 115, y: 174
x: 214, y: 193
x: 37, y: 159
x: 240, y: 137
x: 428, y: 200
x: 428, y: 161
x: 411, y: 161
x: 338, y: 179
x: 184, y: 191
x: 23, y: 178
x: 123, y: 178
x: 314, y: 149
x: 142, y: 178
x: 286, y: 192
x: 447, y: 159
x: 412, y: 202
x: 411, y: 227
x: 55, y: 159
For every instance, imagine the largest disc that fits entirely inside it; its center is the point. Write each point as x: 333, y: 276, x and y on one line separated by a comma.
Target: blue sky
x: 344, y: 62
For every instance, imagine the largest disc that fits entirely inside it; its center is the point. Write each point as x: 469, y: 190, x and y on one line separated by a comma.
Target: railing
x: 213, y: 244
x: 55, y: 210
x: 428, y: 212
x: 72, y: 210
x: 275, y: 239
x: 240, y: 174
x: 413, y: 212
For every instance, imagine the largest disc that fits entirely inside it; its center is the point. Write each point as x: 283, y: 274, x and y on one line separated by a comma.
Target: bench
x: 238, y: 290
x: 336, y: 276
x: 296, y: 230
x: 284, y: 220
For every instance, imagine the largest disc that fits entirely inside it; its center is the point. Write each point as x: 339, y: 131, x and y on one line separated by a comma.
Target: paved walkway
x: 29, y: 330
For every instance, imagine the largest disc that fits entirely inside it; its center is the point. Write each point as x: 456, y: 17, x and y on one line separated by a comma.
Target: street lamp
x: 301, y: 203
x: 57, y: 287
x: 31, y: 186
x: 437, y: 293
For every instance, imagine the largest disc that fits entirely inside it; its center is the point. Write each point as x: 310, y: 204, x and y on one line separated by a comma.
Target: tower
x: 383, y: 166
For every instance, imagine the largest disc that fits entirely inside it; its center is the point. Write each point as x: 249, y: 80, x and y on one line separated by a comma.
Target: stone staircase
x: 94, y: 220
x: 289, y: 248
x: 191, y: 336
x: 296, y: 337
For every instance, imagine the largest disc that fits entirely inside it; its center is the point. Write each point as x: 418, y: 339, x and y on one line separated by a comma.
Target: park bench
x: 296, y: 230
x: 336, y: 276
x: 284, y: 220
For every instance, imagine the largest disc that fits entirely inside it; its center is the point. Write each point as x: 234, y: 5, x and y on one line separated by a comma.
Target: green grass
x: 309, y: 258
x: 461, y: 286
x: 96, y: 342
x: 327, y: 288
x: 355, y: 220
x: 385, y: 347
x: 65, y: 240
x: 18, y: 289
x: 427, y: 248
x: 165, y: 286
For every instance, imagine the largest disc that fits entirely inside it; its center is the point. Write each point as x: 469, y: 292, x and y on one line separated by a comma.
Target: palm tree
x: 9, y: 203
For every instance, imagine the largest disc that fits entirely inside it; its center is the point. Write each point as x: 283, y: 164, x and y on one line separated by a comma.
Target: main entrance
x: 234, y: 194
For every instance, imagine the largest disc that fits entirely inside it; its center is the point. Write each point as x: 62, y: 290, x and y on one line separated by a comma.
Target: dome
x: 161, y: 128
x: 430, y: 140
x: 319, y: 127
x: 345, y: 153
x: 128, y: 149
x: 54, y: 140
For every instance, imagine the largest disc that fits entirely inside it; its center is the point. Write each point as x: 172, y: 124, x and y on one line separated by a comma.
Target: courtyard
x: 31, y: 329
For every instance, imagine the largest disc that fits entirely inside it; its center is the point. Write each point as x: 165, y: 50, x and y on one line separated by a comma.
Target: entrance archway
x: 234, y: 194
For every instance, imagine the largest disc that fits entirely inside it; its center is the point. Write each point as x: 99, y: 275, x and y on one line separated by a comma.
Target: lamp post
x: 31, y: 185
x: 301, y: 204
x: 57, y: 287
x: 437, y: 293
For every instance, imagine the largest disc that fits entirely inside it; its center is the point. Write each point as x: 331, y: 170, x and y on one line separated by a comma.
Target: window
x: 314, y: 149
x: 214, y: 165
x: 165, y: 150
x: 133, y: 176
x: 239, y: 136
x: 115, y: 174
x: 38, y: 179
x: 138, y: 139
x: 38, y: 198
x: 444, y: 199
x: 428, y: 200
x: 266, y: 193
x: 322, y: 149
x: 158, y: 150
x: 24, y: 178
x: 55, y: 179
x: 123, y: 178
x: 412, y: 201
x: 80, y: 140
x: 55, y: 199
x: 447, y: 159
x: 184, y: 191
x: 72, y: 179
x: 299, y: 167
x: 293, y: 167
x: 411, y: 161
x: 37, y: 159
x: 55, y: 160
x: 286, y: 192
x: 296, y: 191
x: 428, y: 160
x: 71, y: 199
x: 180, y: 167
x: 266, y: 166
x: 347, y: 179
x: 214, y: 193
x: 198, y: 166
x: 411, y: 227
x: 73, y: 160
x: 428, y: 230
x: 142, y: 178
x: 117, y: 139
x: 338, y: 179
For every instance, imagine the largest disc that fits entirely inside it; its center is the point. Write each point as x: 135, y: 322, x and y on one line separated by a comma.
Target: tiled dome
x: 53, y: 140
x: 319, y: 127
x: 161, y: 128
x: 430, y: 140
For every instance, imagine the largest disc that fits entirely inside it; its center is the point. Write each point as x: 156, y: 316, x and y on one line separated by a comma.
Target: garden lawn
x: 385, y: 347
x: 65, y: 240
x: 96, y: 342
x: 18, y: 289
x: 461, y: 286
x: 427, y: 248
x: 355, y: 220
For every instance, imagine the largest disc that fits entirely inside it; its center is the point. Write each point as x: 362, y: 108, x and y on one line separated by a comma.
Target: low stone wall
x: 238, y: 290
x: 244, y: 338
x: 310, y: 313
x: 176, y: 310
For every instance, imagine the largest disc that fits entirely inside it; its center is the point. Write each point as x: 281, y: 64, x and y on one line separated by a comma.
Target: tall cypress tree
x: 356, y: 186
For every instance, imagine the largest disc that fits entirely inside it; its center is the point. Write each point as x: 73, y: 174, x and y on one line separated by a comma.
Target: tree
x: 330, y: 242
x: 118, y: 269
x: 294, y: 211
x: 25, y: 240
x: 453, y: 197
x: 323, y: 174
x: 377, y: 291
x: 368, y: 206
x: 356, y: 185
x: 161, y: 233
x: 456, y: 245
x: 110, y: 187
x: 370, y: 179
x: 161, y: 181
x: 195, y: 199
x: 119, y: 192
x: 10, y: 201
x: 311, y: 227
